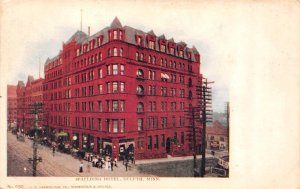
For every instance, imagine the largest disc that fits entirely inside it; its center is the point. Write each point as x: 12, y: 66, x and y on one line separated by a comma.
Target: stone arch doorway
x: 168, y: 145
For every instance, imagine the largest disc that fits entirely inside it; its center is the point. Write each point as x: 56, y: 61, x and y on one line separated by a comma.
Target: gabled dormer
x: 162, y: 43
x: 99, y: 40
x: 139, y: 39
x: 171, y: 46
x: 116, y: 31
x: 151, y: 39
x: 180, y: 49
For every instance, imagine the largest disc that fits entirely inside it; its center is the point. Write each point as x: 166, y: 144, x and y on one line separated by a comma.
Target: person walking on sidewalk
x: 81, y: 167
x: 112, y: 165
x: 126, y: 164
x: 53, y: 150
x: 115, y: 161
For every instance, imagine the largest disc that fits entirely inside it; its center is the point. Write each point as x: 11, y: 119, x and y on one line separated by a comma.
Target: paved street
x: 58, y: 165
x: 65, y: 165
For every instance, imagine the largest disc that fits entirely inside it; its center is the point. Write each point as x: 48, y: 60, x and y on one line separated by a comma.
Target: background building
x: 11, y: 105
x: 28, y: 94
x: 122, y: 89
x: 217, y: 136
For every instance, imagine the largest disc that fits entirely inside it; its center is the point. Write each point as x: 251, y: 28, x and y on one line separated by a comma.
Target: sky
x: 38, y: 30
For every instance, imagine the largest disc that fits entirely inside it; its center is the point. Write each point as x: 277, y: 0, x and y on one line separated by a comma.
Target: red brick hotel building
x: 123, y: 88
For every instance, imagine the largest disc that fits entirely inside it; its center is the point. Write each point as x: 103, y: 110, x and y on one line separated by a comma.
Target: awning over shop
x: 61, y: 134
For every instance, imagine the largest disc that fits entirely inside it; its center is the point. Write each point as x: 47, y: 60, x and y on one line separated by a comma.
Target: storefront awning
x: 61, y: 134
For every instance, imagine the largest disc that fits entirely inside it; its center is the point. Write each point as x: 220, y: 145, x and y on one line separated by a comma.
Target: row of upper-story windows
x: 163, y: 76
x: 53, y: 64
x: 53, y: 74
x: 169, y: 48
x: 152, y: 91
x: 97, y: 57
x: 94, y: 43
x: 163, y: 62
x: 153, y: 122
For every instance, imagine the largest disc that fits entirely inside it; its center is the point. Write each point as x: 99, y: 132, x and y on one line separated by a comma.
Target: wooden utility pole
x: 36, y: 110
x: 206, y: 116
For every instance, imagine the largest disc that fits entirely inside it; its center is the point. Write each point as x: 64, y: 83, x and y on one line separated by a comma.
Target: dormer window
x: 151, y: 45
x: 180, y: 54
x: 99, y: 41
x: 163, y: 48
x: 172, y: 51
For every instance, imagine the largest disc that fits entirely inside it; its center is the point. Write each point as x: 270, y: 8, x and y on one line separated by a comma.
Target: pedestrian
x: 116, y: 161
x: 132, y: 160
x: 112, y: 165
x: 53, y: 150
x: 126, y: 164
x: 81, y: 167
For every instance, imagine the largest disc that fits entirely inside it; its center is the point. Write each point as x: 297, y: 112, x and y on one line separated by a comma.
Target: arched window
x: 136, y: 56
x: 154, y: 60
x: 115, y: 52
x: 140, y: 73
x: 142, y: 57
x: 149, y: 59
x: 140, y: 90
x: 140, y: 107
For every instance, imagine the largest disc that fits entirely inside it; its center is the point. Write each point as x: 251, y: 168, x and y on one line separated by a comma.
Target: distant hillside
x: 221, y: 117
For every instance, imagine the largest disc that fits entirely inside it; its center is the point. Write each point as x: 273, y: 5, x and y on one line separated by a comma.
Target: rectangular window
x: 108, y: 72
x: 115, y: 69
x: 140, y: 142
x: 108, y: 105
x: 115, y: 125
x: 182, y: 138
x: 122, y: 87
x: 108, y: 87
x: 100, y: 75
x: 100, y: 106
x: 149, y: 141
x: 115, y: 105
x: 115, y: 35
x: 99, y: 124
x: 162, y: 140
x: 108, y: 129
x: 173, y: 121
x: 115, y: 87
x: 140, y: 124
x: 122, y: 69
x: 122, y: 125
x: 156, y: 141
x: 100, y: 89
x: 122, y: 105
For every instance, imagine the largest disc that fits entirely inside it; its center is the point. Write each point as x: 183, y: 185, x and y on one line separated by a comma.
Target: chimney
x: 89, y: 30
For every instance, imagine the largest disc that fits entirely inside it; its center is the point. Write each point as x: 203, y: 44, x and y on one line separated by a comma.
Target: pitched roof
x: 116, y: 23
x: 216, y: 129
x: 171, y: 40
x: 162, y: 37
x: 151, y: 32
x: 78, y: 36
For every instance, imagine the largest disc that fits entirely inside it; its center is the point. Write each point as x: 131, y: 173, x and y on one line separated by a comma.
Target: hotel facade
x: 121, y: 89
